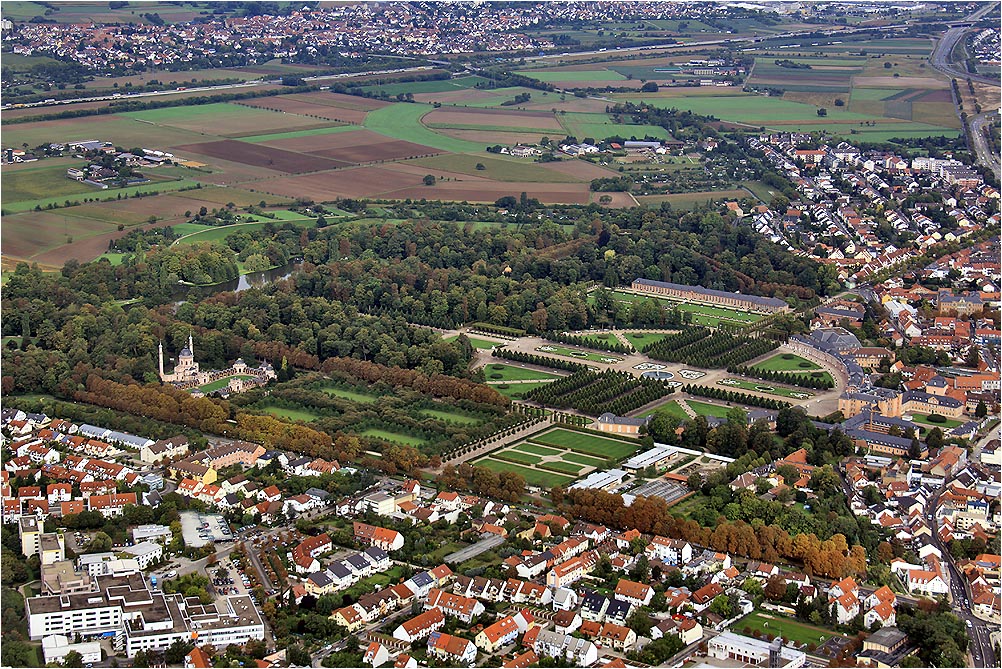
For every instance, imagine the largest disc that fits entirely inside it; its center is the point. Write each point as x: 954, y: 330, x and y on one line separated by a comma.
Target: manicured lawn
x: 450, y: 416
x: 583, y: 459
x: 586, y: 443
x: 704, y: 409
x: 578, y: 353
x: 499, y: 372
x: 477, y: 343
x: 768, y: 623
x: 516, y: 456
x: 923, y: 419
x: 395, y: 437
x: 536, y: 449
x: 642, y: 339
x: 403, y: 121
x: 292, y: 414
x: 766, y: 387
x: 564, y: 467
x: 787, y: 362
x: 222, y: 383
x: 534, y: 477
x: 671, y: 406
x: 518, y: 390
x: 352, y: 395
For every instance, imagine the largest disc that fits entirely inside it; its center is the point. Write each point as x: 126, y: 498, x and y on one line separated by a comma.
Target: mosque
x: 188, y: 375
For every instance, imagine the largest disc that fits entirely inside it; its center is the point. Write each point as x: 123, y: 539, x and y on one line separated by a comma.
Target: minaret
x: 191, y: 346
x: 161, y: 351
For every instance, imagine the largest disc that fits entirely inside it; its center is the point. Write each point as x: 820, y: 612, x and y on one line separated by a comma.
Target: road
x: 940, y: 59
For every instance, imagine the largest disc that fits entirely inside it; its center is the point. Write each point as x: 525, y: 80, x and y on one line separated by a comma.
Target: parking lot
x: 201, y: 529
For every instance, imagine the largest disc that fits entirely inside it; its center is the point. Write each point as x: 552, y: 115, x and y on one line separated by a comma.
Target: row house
x: 111, y: 505
x: 419, y: 626
x: 669, y: 551
x: 503, y: 632
x: 572, y: 570
x: 464, y: 608
x: 576, y: 651
x: 304, y: 555
x: 388, y: 540
x: 452, y: 650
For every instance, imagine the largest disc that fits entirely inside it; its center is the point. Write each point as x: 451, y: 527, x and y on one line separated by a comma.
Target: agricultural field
x: 601, y: 126
x: 498, y: 168
x: 572, y: 74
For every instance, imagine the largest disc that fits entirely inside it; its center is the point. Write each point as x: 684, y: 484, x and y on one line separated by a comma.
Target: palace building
x: 188, y: 375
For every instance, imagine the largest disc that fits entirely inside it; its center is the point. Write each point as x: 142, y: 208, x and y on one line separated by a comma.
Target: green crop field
x: 787, y: 362
x: 704, y: 409
x: 43, y: 182
x: 291, y: 414
x: 535, y: 449
x: 672, y: 407
x: 394, y: 437
x: 578, y: 354
x: 798, y: 632
x: 586, y: 443
x: 353, y: 395
x: 499, y: 372
x: 292, y: 134
x: 451, y: 416
x: 110, y: 194
x: 534, y: 477
x: 403, y: 121
x: 642, y: 339
x: 433, y: 86
x: 759, y: 386
x: 574, y: 75
x: 601, y: 126
x: 222, y: 383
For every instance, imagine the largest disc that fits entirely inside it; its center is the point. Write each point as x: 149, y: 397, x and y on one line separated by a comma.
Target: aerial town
x: 573, y: 334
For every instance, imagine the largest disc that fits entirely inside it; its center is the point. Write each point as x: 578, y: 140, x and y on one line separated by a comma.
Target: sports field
x: 500, y: 372
x: 768, y: 623
x: 589, y: 444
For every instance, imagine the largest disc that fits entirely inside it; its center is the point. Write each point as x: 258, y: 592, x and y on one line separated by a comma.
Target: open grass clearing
x: 533, y: 477
x: 94, y: 192
x: 586, y: 443
x: 291, y: 414
x: 347, y: 394
x: 46, y: 181
x: 403, y: 121
x: 499, y: 372
x: 477, y: 343
x: 219, y: 233
x: 450, y: 416
x: 601, y: 126
x: 394, y: 437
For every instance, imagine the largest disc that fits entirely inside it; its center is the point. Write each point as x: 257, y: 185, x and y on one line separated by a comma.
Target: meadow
x: 501, y: 372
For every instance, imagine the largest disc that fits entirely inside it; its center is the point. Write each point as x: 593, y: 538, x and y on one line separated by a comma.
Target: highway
x: 940, y: 59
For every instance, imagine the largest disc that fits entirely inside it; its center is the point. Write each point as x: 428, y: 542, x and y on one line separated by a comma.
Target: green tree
x: 73, y: 659
x: 429, y: 180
